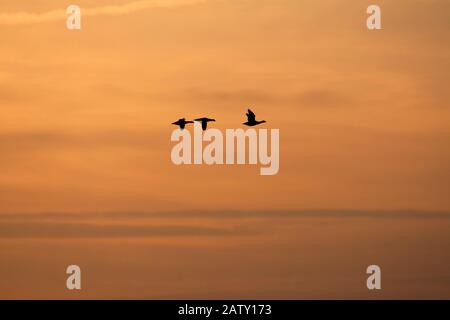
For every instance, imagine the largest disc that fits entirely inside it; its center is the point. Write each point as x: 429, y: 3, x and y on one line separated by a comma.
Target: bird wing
x: 250, y: 115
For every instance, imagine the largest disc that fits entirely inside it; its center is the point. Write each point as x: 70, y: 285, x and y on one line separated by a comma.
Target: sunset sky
x: 86, y: 176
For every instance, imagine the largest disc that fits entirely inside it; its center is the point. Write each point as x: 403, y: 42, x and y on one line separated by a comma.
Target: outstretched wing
x: 250, y: 116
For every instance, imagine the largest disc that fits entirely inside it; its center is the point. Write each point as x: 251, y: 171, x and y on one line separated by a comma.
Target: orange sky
x: 85, y: 116
x: 363, y: 115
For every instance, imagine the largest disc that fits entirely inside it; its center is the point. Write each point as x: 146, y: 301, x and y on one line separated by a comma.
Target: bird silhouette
x: 182, y: 123
x: 251, y: 119
x: 204, y: 122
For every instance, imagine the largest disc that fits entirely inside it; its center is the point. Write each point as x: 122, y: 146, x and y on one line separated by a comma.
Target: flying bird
x: 204, y: 122
x: 251, y: 119
x: 182, y: 123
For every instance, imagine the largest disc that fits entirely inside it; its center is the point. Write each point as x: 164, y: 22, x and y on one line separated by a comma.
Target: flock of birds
x: 251, y: 121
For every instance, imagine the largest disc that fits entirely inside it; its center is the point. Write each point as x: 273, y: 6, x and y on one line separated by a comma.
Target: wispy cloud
x: 179, y: 223
x: 232, y: 214
x: 76, y: 230
x: 29, y: 141
x: 109, y: 10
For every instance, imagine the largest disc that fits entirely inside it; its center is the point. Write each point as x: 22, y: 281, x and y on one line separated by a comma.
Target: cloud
x: 28, y: 141
x: 176, y: 223
x: 321, y: 98
x: 230, y: 214
x: 238, y: 96
x: 76, y: 230
x: 310, y: 98
x: 109, y: 10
